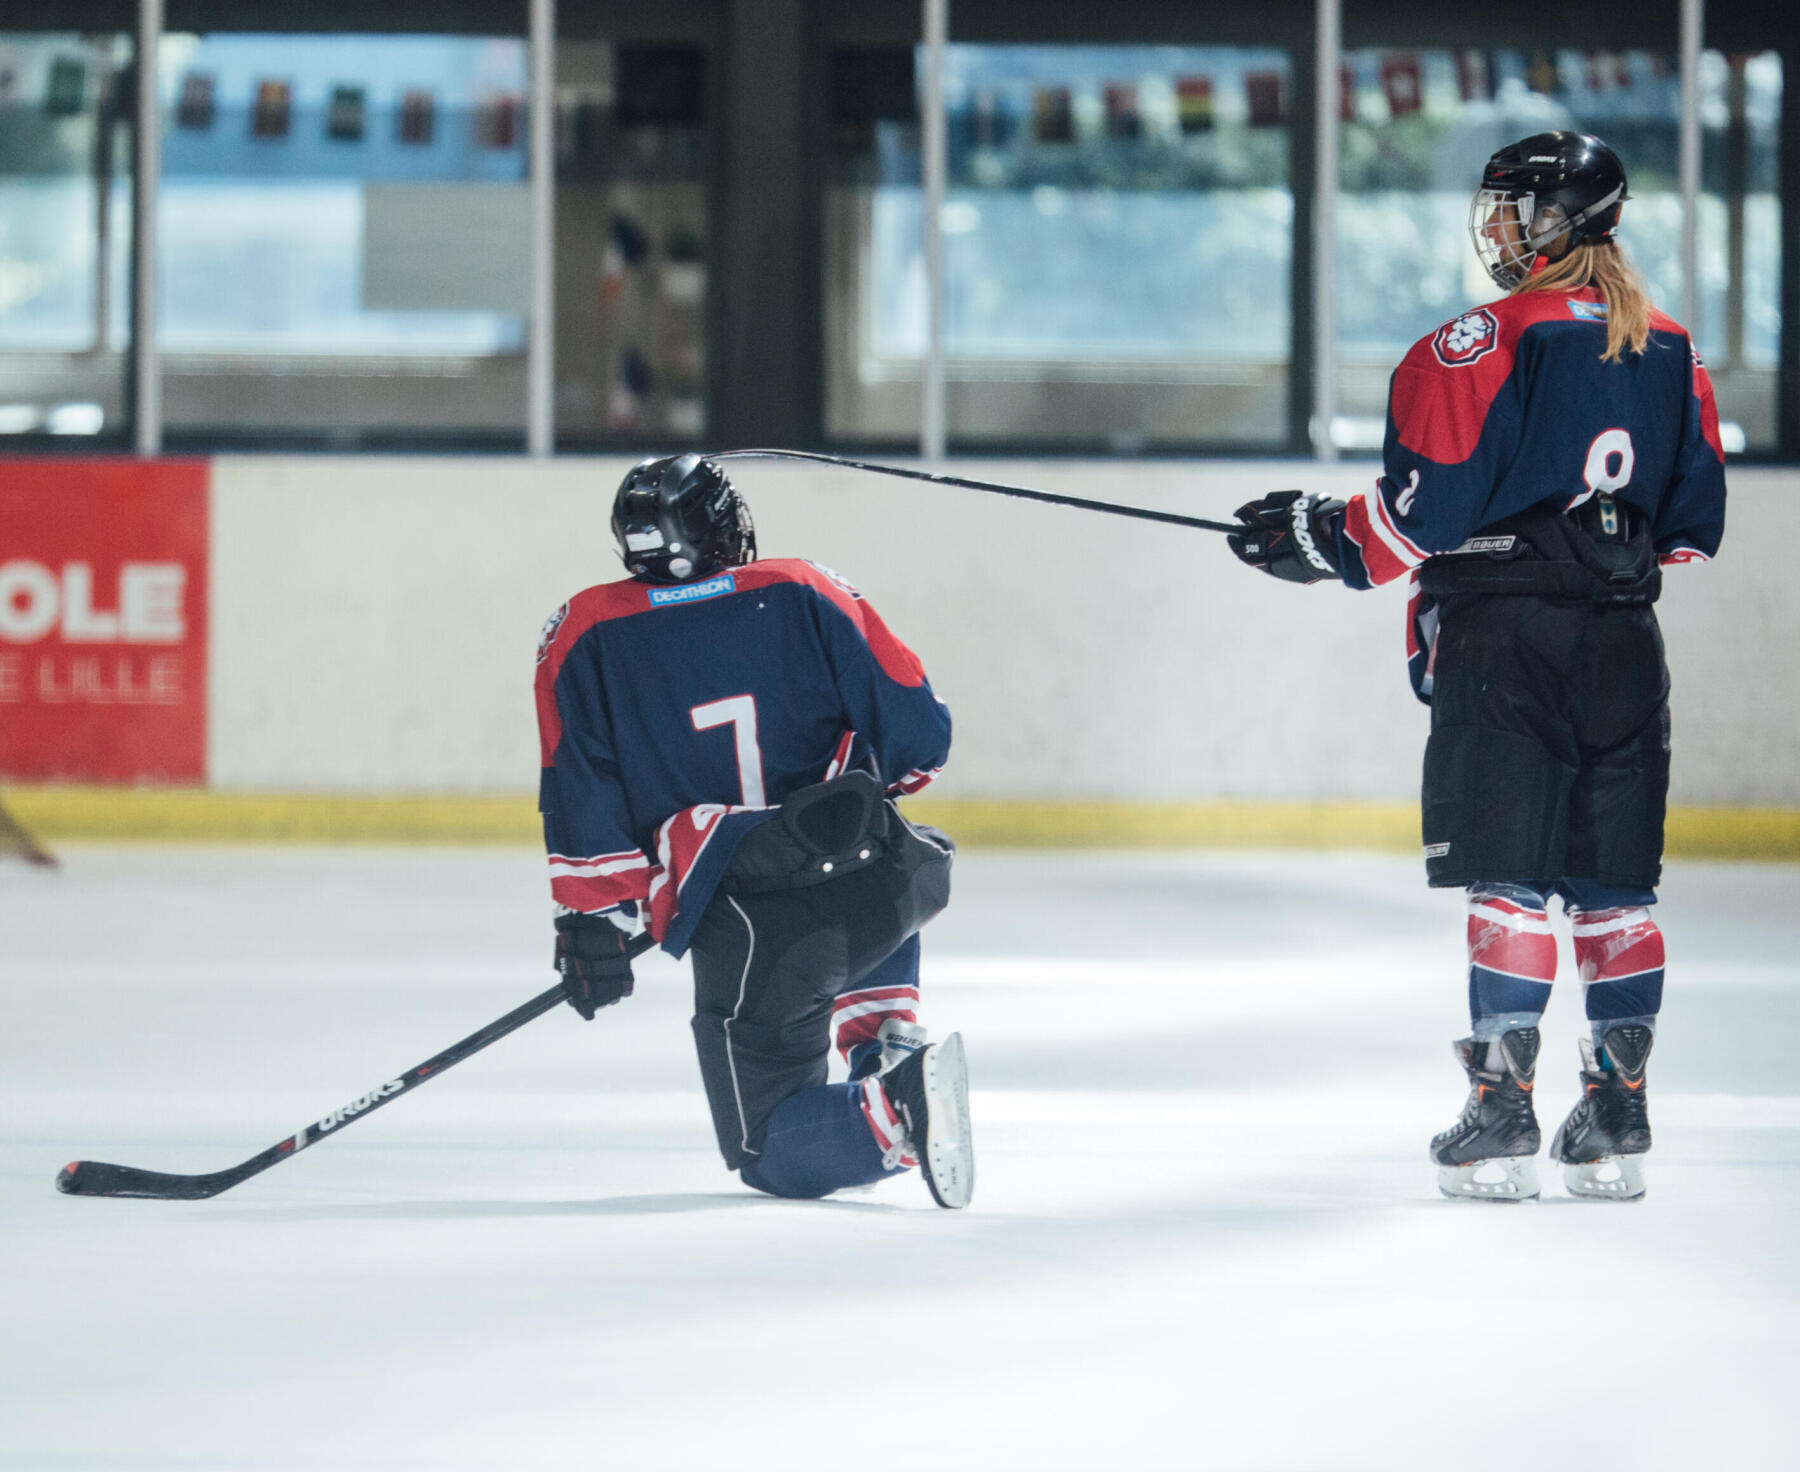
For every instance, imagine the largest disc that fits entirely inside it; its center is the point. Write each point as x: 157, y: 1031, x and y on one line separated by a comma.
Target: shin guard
x: 1620, y: 956
x: 1512, y: 958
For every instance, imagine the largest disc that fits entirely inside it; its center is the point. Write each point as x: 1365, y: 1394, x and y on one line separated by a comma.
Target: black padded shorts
x: 1549, y: 747
x: 779, y: 942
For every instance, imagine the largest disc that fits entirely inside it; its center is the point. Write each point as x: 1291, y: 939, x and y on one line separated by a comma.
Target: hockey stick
x: 23, y: 843
x: 96, y: 1178
x: 1025, y: 492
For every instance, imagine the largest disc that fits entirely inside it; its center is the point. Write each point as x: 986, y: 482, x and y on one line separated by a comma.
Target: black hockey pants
x: 780, y: 941
x: 1549, y: 748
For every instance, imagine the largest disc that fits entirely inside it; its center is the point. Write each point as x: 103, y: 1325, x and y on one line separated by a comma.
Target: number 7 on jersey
x: 738, y: 712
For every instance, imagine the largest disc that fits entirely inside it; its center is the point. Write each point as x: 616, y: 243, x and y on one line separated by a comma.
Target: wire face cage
x: 1500, y: 226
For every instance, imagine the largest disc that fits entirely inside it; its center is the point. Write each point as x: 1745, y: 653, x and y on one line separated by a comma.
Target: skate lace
x: 1506, y: 1098
x: 1622, y: 1111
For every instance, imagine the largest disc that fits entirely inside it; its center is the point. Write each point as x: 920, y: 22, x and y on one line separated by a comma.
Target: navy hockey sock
x: 819, y: 1140
x: 1620, y: 954
x: 1512, y: 958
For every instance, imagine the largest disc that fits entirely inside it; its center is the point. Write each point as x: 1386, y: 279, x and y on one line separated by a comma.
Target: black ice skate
x: 1487, y: 1154
x: 1602, y: 1144
x: 930, y: 1092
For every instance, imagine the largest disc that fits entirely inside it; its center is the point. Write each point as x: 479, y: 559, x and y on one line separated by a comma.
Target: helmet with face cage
x: 1538, y: 190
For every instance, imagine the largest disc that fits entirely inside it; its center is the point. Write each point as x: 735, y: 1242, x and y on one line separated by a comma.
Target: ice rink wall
x: 369, y: 629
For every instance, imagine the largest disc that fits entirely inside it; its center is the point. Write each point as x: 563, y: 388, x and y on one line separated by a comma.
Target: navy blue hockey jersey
x: 1509, y: 406
x: 674, y: 718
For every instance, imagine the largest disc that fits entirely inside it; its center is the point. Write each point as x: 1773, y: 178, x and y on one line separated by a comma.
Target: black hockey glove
x: 1290, y: 535
x: 591, y: 955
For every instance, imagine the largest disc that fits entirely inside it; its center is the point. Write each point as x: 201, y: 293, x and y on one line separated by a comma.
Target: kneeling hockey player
x: 721, y: 741
x: 1547, y: 454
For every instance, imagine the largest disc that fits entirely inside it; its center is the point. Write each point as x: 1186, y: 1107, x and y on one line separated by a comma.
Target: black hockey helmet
x: 1536, y: 191
x: 678, y: 518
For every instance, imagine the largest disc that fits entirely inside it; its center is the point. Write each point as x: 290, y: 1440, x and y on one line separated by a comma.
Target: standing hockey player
x: 1547, y: 454
x: 721, y: 741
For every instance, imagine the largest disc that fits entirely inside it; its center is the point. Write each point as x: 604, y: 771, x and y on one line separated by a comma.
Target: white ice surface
x: 1204, y: 1235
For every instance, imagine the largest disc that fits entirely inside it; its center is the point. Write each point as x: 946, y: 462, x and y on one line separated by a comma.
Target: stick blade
x: 97, y: 1178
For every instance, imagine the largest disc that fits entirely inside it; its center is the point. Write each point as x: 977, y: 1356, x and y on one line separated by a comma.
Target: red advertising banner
x: 103, y: 620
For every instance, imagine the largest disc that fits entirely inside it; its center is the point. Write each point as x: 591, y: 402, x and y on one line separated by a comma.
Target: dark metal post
x: 146, y: 366
x: 766, y: 377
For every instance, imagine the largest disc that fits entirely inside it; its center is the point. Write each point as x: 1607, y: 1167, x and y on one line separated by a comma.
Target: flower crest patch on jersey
x: 1467, y: 339
x: 548, y: 637
x: 1470, y: 337
x: 836, y: 577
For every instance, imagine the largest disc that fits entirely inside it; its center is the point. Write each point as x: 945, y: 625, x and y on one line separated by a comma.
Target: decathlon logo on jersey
x: 1588, y: 311
x: 693, y: 592
x: 1470, y: 337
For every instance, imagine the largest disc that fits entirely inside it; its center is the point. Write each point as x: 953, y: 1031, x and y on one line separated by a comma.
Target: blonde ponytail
x: 1603, y: 265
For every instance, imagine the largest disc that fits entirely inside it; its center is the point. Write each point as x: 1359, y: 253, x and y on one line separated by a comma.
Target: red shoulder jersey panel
x: 1448, y: 381
x: 1703, y: 385
x: 897, y: 662
x: 562, y: 631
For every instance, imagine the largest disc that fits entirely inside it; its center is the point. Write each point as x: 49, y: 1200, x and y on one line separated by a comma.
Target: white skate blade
x: 948, y: 1156
x: 1610, y: 1178
x: 1504, y: 1178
